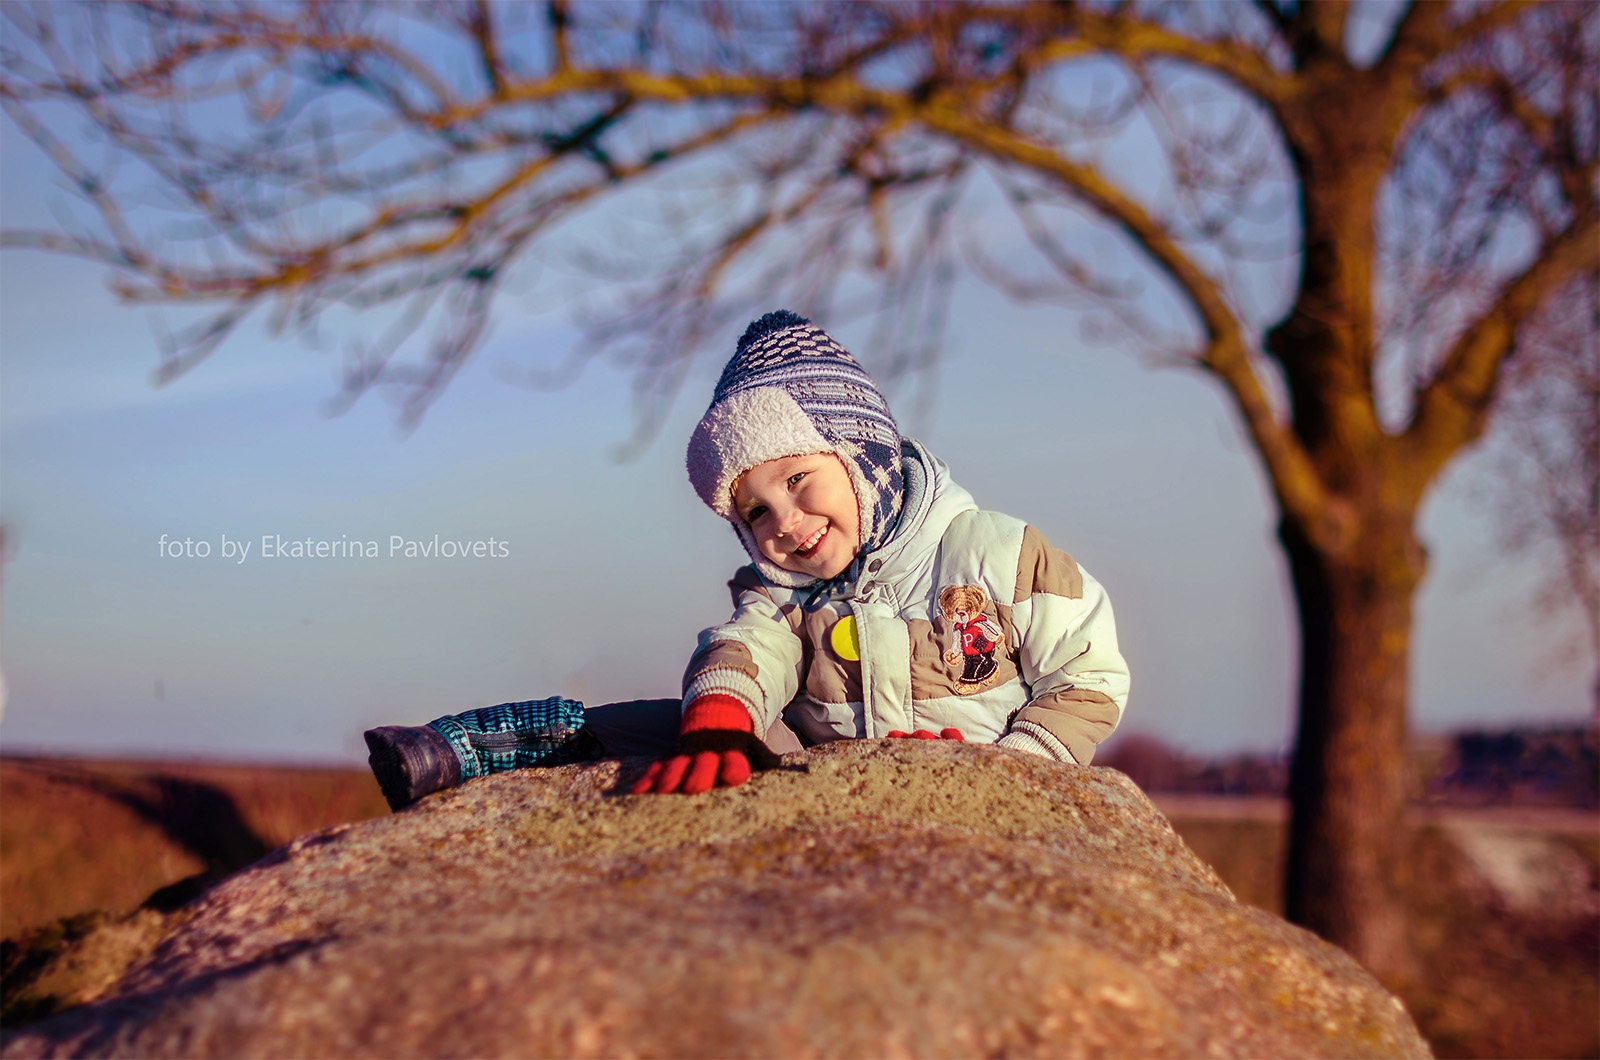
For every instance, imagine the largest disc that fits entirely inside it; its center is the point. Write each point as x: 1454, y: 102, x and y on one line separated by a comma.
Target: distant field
x: 1505, y: 902
x: 1505, y: 914
x: 78, y: 835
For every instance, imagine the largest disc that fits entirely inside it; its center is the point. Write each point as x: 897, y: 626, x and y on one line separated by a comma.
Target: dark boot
x: 410, y: 762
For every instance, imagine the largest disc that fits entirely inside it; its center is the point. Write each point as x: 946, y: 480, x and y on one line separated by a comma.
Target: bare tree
x: 1345, y: 214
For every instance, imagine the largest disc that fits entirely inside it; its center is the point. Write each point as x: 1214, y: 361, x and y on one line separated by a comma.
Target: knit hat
x: 790, y: 390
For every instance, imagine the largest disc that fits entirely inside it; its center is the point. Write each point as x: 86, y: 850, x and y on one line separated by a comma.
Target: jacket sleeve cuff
x: 1036, y: 739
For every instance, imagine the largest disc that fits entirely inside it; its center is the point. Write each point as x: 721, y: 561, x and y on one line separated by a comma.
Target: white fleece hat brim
x: 741, y: 431
x: 747, y: 429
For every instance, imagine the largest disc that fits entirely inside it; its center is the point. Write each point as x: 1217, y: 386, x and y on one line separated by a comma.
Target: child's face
x: 802, y: 512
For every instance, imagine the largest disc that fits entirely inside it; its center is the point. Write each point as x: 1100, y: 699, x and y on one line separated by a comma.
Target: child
x: 881, y: 602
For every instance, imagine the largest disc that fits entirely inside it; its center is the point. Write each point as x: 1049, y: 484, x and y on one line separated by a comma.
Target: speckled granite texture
x: 879, y: 898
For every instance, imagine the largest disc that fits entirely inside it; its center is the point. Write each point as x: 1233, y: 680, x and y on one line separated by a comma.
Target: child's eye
x: 755, y: 513
x: 794, y: 480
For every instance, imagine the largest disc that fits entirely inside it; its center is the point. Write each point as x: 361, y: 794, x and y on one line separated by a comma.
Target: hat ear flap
x: 866, y: 499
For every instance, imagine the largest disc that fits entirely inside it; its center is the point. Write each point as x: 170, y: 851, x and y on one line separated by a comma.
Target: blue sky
x: 110, y: 648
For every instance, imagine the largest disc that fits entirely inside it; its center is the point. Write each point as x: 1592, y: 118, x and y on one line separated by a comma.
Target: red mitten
x: 716, y: 745
x: 924, y: 734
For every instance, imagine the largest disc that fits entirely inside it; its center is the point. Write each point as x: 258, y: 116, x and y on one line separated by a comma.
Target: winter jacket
x: 888, y: 652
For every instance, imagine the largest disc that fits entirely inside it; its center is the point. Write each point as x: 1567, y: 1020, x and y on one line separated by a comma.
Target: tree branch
x: 1295, y: 481
x: 1273, y: 14
x: 1134, y: 39
x: 1326, y: 19
x: 1424, y: 32
x: 1507, y: 95
x: 481, y: 25
x: 950, y: 73
x: 1452, y: 409
x: 1486, y: 21
x: 560, y: 19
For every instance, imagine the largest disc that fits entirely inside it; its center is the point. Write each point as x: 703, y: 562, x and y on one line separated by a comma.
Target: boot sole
x: 389, y: 767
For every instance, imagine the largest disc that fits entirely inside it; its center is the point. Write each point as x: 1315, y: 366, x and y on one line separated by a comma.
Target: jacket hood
x: 933, y: 500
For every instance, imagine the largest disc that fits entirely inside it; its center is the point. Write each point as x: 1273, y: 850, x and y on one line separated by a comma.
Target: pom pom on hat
x: 790, y: 390
x: 767, y: 324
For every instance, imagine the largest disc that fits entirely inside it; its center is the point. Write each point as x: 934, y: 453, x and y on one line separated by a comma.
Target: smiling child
x: 881, y: 601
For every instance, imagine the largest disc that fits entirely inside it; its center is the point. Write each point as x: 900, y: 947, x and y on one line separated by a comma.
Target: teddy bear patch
x: 966, y: 608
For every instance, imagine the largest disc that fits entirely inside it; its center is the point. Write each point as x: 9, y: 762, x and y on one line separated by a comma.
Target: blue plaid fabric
x: 512, y: 735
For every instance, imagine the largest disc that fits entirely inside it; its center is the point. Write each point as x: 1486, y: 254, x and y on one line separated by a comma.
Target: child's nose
x: 789, y: 521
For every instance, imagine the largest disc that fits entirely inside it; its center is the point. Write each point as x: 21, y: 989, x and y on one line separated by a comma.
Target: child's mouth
x: 810, y: 544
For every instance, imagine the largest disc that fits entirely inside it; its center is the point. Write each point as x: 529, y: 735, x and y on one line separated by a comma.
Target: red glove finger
x: 923, y: 734
x: 702, y: 773
x: 716, y: 745
x: 952, y: 734
x: 898, y: 734
x: 735, y: 769
x: 672, y: 772
x: 647, y: 782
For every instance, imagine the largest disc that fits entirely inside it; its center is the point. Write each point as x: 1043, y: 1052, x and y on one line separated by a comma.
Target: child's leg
x: 643, y: 728
x: 539, y: 732
x: 648, y: 728
x: 412, y: 761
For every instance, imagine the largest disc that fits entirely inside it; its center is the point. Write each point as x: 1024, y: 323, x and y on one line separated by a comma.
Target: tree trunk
x: 1347, y: 840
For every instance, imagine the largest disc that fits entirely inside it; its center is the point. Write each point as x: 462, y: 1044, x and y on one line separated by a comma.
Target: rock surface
x: 894, y: 898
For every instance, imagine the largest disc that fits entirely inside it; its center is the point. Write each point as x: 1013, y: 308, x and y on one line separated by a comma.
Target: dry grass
x: 1505, y: 910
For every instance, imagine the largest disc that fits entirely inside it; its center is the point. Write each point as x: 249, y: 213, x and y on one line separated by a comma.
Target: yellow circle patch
x: 846, y: 639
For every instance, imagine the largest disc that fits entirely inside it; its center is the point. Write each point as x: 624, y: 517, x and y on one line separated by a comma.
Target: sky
x: 602, y: 571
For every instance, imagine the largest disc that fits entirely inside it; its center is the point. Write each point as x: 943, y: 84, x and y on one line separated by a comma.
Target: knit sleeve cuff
x: 723, y: 681
x: 1036, y: 739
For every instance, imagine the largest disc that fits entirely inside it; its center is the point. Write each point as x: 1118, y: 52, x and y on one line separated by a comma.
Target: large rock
x: 887, y: 898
